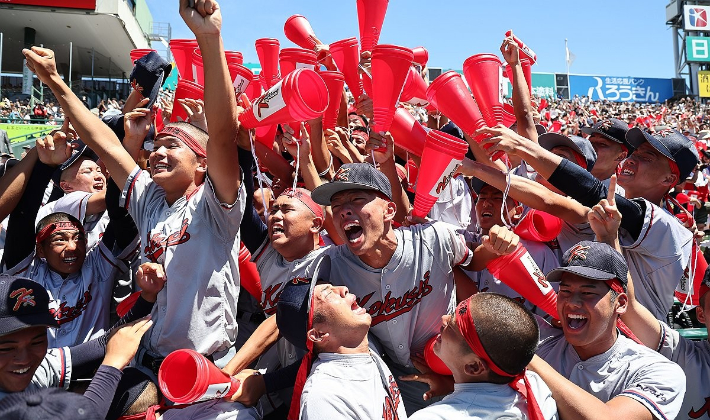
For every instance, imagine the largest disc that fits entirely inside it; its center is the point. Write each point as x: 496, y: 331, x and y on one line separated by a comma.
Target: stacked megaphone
x: 390, y: 65
x: 370, y: 17
x: 267, y: 49
x: 186, y: 377
x: 346, y: 55
x: 449, y: 94
x: 539, y: 226
x: 407, y: 132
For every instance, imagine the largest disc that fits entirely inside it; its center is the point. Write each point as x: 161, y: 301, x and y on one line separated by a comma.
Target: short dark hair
x: 508, y: 332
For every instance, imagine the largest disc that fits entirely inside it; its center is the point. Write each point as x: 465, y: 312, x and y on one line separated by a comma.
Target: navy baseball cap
x: 23, y: 304
x: 294, y: 305
x: 671, y: 144
x: 353, y: 176
x: 48, y: 404
x: 592, y: 260
x: 612, y: 129
x: 576, y: 143
x: 148, y: 75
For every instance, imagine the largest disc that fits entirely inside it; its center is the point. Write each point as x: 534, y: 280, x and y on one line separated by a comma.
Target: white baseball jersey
x: 658, y: 259
x: 694, y: 358
x: 488, y: 401
x: 53, y: 372
x: 455, y: 204
x: 627, y: 369
x: 407, y: 297
x: 543, y: 257
x: 351, y: 386
x: 81, y: 302
x: 75, y: 204
x: 197, y: 242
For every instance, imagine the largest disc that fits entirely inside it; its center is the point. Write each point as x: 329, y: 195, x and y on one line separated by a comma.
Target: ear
x: 317, y: 224
x: 671, y: 180
x: 39, y: 250
x: 390, y: 211
x: 201, y: 165
x: 622, y: 302
x: 623, y: 155
x: 317, y: 336
x: 700, y: 313
x: 65, y: 186
x: 476, y: 368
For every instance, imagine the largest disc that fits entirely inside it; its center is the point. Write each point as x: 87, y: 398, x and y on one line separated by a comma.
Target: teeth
x: 627, y: 172
x: 349, y: 225
x: 575, y: 316
x: 70, y: 260
x: 21, y: 371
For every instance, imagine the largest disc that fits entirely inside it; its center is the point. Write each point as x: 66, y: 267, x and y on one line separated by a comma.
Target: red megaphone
x: 527, y: 72
x: 508, y: 115
x: 442, y: 157
x: 266, y: 135
x: 299, y: 31
x: 421, y: 56
x: 519, y: 271
x: 241, y: 76
x: 346, y: 55
x: 414, y: 91
x: 407, y: 132
x: 539, y: 226
x: 254, y: 89
x: 291, y: 59
x: 390, y: 64
x: 181, y: 50
x: 248, y: 273
x: 370, y: 16
x: 186, y: 376
x: 523, y: 48
x: 234, y: 57
x: 138, y: 53
x: 432, y: 360
x: 300, y: 96
x: 268, y: 51
x: 334, y: 81
x: 483, y: 74
x: 185, y: 90
x: 197, y: 67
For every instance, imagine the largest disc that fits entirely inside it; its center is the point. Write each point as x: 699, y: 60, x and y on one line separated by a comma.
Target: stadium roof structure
x: 101, y: 33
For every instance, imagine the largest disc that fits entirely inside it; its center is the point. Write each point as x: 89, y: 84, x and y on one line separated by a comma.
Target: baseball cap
x: 23, y: 303
x: 613, y: 129
x: 294, y: 305
x: 671, y: 144
x: 353, y: 176
x: 579, y: 144
x: 81, y: 150
x: 7, y: 165
x: 47, y: 404
x: 704, y: 134
x: 592, y: 260
x: 148, y: 75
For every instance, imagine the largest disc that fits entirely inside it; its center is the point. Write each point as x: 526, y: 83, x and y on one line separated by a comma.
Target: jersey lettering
x: 271, y: 297
x: 391, y: 307
x: 65, y: 313
x: 389, y: 410
x: 157, y: 243
x: 702, y: 411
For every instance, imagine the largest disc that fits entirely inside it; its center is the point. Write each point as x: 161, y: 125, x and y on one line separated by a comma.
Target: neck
x: 598, y: 347
x: 299, y: 248
x: 356, y: 347
x: 173, y: 196
x: 382, y: 252
x: 654, y: 196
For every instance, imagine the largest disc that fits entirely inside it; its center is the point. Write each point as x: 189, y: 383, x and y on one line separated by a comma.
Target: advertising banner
x: 621, y: 89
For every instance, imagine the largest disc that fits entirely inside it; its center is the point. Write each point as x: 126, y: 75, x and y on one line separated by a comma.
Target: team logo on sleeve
x: 389, y: 411
x: 391, y: 307
x: 24, y: 298
x: 702, y: 411
x: 158, y: 243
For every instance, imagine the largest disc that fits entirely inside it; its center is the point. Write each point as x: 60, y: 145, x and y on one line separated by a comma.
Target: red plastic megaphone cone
x: 241, y: 76
x: 407, y: 132
x: 414, y: 91
x: 421, y: 56
x: 539, y: 226
x: 268, y: 51
x: 234, y: 57
x: 441, y: 157
x: 370, y: 16
x: 519, y: 271
x: 254, y: 89
x: 448, y: 93
x: 347, y: 57
x: 527, y: 72
x: 198, y: 67
x: 138, y: 53
x: 181, y: 50
x: 432, y: 360
x: 334, y: 81
x: 185, y: 89
x: 186, y: 376
x: 299, y: 31
x: 300, y: 96
x: 248, y: 274
x: 390, y: 64
x: 508, y: 115
x: 266, y: 134
x: 483, y: 74
x: 291, y: 59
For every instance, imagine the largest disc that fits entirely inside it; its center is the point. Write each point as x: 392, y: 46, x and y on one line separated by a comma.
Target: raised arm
x: 92, y: 131
x: 521, y: 90
x: 205, y: 21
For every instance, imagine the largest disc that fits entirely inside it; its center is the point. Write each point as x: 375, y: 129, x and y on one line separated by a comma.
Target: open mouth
x: 576, y: 322
x: 627, y: 172
x: 21, y: 371
x: 353, y: 231
x: 161, y: 167
x: 99, y: 186
x: 486, y: 214
x: 277, y: 229
x: 357, y: 308
x: 70, y: 260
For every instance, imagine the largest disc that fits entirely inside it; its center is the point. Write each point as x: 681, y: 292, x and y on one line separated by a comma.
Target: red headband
x: 304, y: 197
x: 183, y: 136
x: 51, y: 228
x: 674, y: 169
x: 615, y: 285
x: 464, y: 320
x: 581, y: 160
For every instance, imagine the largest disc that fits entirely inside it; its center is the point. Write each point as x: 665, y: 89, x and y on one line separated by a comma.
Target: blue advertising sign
x: 621, y: 89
